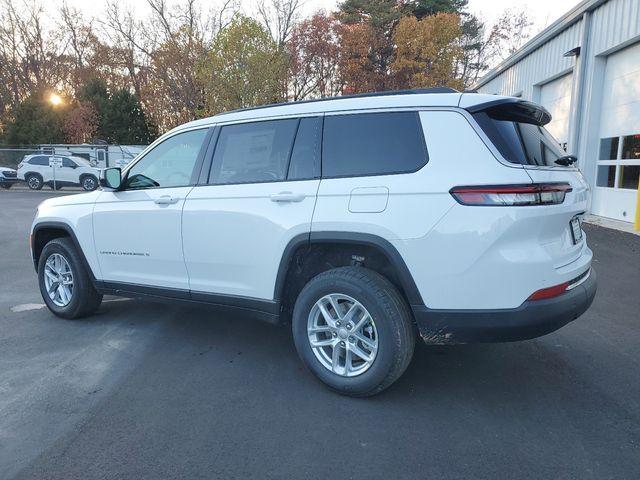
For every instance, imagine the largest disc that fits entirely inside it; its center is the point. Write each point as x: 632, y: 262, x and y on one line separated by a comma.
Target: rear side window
x: 519, y: 139
x: 39, y: 160
x: 372, y: 144
x: 253, y: 152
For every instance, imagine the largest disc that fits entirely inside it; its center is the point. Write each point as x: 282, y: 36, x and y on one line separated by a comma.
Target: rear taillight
x: 511, y: 195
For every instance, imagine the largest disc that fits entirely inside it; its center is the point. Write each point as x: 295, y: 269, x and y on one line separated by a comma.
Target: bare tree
x: 279, y: 17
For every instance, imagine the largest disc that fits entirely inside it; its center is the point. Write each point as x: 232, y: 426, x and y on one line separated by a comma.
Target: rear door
x: 260, y: 194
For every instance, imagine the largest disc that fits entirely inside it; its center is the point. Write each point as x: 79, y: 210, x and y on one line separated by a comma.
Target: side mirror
x: 111, y: 178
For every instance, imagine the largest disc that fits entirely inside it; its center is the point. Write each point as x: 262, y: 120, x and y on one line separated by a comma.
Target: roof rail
x: 386, y: 93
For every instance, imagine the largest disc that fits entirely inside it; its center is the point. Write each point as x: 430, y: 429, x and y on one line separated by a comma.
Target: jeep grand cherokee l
x: 365, y: 221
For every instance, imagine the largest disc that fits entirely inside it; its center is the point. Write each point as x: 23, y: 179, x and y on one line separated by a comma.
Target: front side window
x: 253, y: 152
x: 169, y: 164
x: 372, y: 144
x: 519, y: 139
x: 67, y: 162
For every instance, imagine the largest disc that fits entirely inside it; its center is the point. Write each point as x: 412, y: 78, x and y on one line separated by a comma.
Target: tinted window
x: 631, y: 147
x: 372, y: 144
x: 305, y: 158
x: 520, y: 141
x: 629, y: 175
x: 253, y: 152
x: 606, y: 175
x: 609, y: 148
x: 67, y: 162
x: 39, y: 160
x: 169, y: 164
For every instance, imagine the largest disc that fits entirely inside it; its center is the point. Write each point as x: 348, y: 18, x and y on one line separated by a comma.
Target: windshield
x: 520, y: 139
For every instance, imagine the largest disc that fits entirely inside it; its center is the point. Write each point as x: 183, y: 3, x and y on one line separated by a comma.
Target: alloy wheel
x: 342, y: 335
x: 58, y: 280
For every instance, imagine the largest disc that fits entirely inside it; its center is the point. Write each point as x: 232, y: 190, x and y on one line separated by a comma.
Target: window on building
x: 631, y: 147
x: 628, y: 177
x: 606, y: 176
x: 609, y: 148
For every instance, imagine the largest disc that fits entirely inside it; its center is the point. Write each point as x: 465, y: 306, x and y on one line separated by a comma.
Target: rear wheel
x: 65, y: 283
x: 34, y: 181
x: 353, y: 330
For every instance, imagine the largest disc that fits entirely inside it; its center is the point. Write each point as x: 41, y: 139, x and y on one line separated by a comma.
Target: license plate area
x: 576, y: 230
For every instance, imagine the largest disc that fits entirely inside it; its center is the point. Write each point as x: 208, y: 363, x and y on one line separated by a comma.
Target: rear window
x: 372, y: 144
x: 518, y: 138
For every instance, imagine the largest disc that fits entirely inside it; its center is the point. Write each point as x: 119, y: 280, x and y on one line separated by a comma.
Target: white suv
x: 36, y: 172
x: 365, y: 221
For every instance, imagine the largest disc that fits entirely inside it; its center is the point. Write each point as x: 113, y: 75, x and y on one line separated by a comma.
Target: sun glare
x: 55, y: 99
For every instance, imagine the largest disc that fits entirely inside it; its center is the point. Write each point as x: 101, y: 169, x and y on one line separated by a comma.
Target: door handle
x: 287, y: 197
x: 166, y: 200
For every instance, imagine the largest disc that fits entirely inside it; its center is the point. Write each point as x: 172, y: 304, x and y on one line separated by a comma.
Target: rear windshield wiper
x: 567, y: 160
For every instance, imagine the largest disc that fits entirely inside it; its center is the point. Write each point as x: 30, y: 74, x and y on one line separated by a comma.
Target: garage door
x: 619, y: 156
x: 555, y: 96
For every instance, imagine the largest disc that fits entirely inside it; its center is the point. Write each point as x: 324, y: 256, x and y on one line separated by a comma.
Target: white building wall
x: 600, y: 28
x: 542, y: 65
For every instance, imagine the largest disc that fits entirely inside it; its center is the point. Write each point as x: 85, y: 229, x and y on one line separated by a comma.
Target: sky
x: 542, y: 12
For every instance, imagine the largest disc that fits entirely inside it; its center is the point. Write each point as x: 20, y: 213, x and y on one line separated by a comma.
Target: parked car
x: 365, y: 221
x: 36, y: 172
x: 8, y: 176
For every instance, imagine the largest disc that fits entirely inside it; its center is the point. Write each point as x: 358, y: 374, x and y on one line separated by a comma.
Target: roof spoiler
x: 514, y: 110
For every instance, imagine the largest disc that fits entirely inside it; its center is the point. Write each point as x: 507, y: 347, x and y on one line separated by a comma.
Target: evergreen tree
x: 35, y: 121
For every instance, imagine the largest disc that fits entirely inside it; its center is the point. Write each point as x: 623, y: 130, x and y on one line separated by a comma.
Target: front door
x: 138, y: 229
x: 260, y: 195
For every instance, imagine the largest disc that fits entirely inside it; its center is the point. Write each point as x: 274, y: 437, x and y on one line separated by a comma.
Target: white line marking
x: 26, y: 307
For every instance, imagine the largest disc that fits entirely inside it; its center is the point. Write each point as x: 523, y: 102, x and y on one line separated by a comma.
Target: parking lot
x: 145, y: 390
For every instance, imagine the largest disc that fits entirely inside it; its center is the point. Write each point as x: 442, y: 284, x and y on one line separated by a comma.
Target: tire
x: 6, y: 186
x: 89, y: 183
x: 85, y: 299
x: 391, y: 327
x: 34, y: 181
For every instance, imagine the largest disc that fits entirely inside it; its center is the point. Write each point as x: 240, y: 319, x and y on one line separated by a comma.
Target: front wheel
x: 89, y: 183
x: 64, y: 281
x: 353, y: 330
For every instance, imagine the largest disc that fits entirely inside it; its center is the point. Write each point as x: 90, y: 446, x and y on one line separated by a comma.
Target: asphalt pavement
x: 144, y: 390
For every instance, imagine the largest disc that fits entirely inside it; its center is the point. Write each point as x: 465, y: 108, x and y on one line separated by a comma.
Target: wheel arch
x: 44, y: 232
x: 376, y: 253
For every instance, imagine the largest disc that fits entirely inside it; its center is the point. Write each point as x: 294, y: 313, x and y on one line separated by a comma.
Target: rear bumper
x: 531, y: 319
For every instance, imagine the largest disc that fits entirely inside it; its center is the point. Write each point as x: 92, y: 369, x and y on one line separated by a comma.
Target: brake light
x: 511, y: 195
x: 549, y: 292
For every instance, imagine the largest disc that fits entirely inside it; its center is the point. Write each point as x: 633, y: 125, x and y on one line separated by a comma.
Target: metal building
x: 585, y: 69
